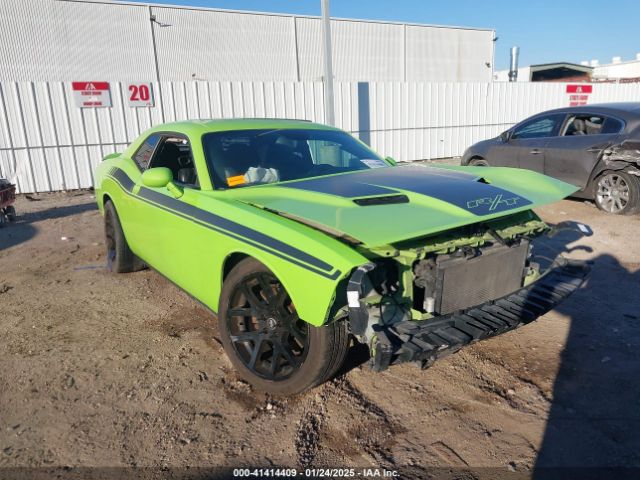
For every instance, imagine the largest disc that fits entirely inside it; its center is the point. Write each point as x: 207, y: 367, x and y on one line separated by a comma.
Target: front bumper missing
x: 428, y: 340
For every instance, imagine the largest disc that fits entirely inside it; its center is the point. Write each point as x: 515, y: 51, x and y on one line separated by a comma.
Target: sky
x: 546, y: 31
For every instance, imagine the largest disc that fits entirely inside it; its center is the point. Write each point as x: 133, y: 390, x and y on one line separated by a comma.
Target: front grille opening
x: 448, y: 283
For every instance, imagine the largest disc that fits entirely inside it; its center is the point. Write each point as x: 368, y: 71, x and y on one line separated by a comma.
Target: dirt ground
x: 125, y: 370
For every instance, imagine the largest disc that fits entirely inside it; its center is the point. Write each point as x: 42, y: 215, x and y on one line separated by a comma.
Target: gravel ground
x: 102, y: 370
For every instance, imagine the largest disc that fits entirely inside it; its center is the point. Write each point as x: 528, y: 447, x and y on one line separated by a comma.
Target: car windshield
x: 253, y: 157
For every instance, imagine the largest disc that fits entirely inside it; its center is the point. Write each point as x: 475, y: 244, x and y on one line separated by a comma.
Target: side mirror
x: 161, y: 177
x: 157, y: 177
x: 505, y: 136
x: 391, y: 161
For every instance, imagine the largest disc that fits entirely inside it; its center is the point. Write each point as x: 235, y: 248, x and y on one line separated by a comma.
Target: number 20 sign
x: 139, y: 94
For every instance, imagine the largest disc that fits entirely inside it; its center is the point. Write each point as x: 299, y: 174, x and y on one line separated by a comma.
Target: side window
x: 539, y: 127
x: 144, y: 153
x: 585, y: 124
x: 174, y: 153
x: 612, y: 125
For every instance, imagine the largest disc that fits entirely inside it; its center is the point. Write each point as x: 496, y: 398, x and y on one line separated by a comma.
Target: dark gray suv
x: 595, y: 147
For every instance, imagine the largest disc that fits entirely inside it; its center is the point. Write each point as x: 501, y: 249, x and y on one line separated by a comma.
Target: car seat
x: 232, y: 161
x: 579, y: 127
x: 592, y: 128
x: 187, y: 176
x: 168, y: 157
x: 289, y: 163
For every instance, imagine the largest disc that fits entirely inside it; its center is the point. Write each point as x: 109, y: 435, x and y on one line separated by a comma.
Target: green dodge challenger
x: 301, y: 238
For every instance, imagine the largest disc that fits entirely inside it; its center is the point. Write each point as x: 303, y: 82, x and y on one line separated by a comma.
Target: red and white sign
x: 579, y: 88
x: 91, y: 94
x: 139, y: 94
x: 579, y: 94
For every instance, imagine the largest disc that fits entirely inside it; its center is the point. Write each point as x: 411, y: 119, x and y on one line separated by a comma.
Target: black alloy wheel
x: 264, y: 328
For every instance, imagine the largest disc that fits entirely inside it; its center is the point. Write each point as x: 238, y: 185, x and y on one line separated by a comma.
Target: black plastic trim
x: 428, y: 340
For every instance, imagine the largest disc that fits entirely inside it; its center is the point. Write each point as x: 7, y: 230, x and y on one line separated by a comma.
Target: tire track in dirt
x: 372, y: 432
x: 307, y: 437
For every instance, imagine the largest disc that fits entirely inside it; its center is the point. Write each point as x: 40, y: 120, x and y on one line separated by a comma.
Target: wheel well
x: 592, y: 185
x: 475, y: 158
x: 231, y: 261
x: 600, y: 170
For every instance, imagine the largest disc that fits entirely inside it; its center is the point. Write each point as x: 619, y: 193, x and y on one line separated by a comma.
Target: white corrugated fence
x: 47, y: 143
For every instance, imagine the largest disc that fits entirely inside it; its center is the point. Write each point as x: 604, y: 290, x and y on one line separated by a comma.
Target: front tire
x: 617, y: 192
x: 266, y: 341
x: 120, y: 258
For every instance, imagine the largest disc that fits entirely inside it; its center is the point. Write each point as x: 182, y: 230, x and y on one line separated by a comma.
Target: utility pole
x: 328, y: 65
x: 152, y: 19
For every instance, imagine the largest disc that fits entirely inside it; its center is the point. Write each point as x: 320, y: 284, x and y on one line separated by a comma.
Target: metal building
x: 62, y: 40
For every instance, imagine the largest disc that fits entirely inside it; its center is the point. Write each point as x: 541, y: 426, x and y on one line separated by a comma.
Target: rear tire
x: 617, y: 192
x: 267, y: 343
x: 120, y: 258
x: 478, y: 162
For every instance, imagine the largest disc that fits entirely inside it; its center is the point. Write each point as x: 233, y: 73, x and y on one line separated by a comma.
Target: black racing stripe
x: 123, y: 179
x: 340, y: 185
x: 217, y: 223
x: 465, y: 192
x: 332, y: 276
x: 457, y: 188
x: 241, y: 230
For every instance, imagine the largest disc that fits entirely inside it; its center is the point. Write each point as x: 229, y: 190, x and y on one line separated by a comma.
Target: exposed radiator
x: 464, y: 282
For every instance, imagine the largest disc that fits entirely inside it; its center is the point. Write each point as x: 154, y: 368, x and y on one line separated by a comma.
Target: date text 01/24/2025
x: 315, y: 473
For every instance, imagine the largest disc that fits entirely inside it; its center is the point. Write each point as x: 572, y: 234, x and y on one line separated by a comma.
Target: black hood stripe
x: 457, y: 188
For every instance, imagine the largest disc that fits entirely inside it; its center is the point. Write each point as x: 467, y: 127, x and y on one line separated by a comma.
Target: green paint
x: 192, y: 253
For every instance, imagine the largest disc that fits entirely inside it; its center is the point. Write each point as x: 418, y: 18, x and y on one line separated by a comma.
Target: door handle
x: 535, y: 151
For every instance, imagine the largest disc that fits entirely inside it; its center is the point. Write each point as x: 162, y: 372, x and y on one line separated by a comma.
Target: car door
x: 165, y: 232
x: 529, y: 139
x: 501, y: 153
x: 573, y: 154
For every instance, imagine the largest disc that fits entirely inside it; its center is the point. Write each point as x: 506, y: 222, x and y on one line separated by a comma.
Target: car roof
x: 625, y: 109
x: 200, y: 127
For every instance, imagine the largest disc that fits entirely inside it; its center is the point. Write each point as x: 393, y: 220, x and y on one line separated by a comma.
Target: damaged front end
x: 423, y: 299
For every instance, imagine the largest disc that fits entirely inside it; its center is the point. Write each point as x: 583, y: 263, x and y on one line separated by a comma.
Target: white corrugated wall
x: 362, y: 51
x: 205, y: 44
x: 63, y: 40
x: 48, y: 144
x: 440, y: 54
x: 44, y: 40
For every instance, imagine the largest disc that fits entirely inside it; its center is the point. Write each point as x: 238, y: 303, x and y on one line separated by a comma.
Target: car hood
x: 386, y: 205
